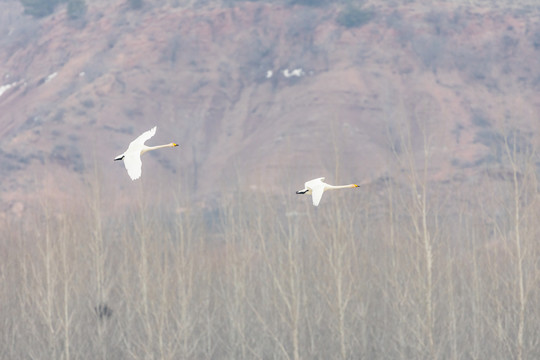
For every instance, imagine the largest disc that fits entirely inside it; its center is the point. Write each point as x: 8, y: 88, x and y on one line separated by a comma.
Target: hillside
x: 221, y: 81
x: 431, y: 106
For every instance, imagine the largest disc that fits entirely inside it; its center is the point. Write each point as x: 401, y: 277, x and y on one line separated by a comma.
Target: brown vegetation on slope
x: 469, y: 74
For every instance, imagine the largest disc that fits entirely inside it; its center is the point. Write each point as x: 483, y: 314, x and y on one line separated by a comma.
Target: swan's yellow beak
x: 356, y: 185
x: 174, y: 144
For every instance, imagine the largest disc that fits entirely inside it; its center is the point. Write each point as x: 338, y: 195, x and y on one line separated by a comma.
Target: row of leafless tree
x: 405, y: 268
x: 422, y: 271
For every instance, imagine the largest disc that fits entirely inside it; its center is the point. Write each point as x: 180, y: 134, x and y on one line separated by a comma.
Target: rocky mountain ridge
x: 260, y: 96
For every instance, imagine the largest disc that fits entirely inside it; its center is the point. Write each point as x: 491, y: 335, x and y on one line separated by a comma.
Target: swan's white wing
x: 314, y: 183
x: 133, y: 164
x: 316, y: 193
x: 139, y: 142
x: 317, y: 189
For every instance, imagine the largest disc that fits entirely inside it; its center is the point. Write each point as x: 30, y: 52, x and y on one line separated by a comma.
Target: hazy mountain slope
x: 74, y: 96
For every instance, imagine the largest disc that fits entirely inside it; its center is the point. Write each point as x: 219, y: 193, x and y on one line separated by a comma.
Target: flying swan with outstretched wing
x: 317, y: 187
x: 132, y: 156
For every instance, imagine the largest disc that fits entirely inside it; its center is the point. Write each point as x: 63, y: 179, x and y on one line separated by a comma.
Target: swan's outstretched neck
x: 149, y: 148
x: 332, y: 187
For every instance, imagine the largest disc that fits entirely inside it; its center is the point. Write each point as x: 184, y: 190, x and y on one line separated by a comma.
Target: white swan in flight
x: 132, y: 156
x: 316, y: 187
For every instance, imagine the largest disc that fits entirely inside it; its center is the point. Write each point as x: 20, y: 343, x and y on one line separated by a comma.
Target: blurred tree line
x: 40, y: 8
x: 76, y: 9
x: 353, y: 15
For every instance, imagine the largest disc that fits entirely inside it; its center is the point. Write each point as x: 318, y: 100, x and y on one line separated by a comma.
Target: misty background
x: 430, y: 105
